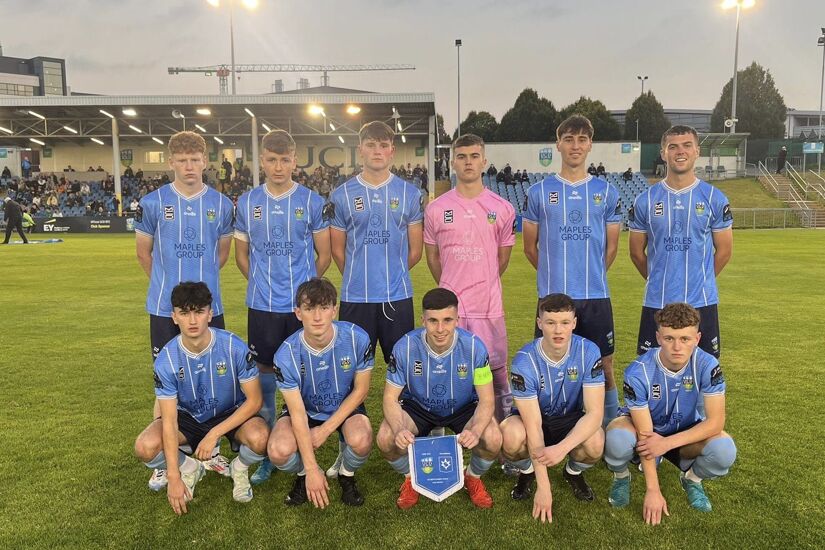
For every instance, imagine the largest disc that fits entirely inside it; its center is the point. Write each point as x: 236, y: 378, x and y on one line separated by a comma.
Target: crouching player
x: 207, y: 387
x: 442, y: 375
x: 558, y: 388
x: 323, y: 372
x: 662, y: 392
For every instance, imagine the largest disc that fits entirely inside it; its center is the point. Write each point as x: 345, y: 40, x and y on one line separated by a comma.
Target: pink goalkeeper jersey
x: 468, y: 234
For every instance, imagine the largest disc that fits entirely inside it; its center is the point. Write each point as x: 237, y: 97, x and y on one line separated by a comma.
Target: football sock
x: 401, y: 465
x: 351, y: 462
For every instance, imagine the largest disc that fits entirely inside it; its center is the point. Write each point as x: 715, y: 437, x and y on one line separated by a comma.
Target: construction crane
x: 224, y: 72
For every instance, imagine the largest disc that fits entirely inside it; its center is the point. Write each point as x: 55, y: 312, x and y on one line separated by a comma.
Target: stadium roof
x: 713, y: 140
x: 50, y: 117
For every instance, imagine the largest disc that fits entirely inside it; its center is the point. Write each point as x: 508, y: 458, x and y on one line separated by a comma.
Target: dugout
x: 118, y: 131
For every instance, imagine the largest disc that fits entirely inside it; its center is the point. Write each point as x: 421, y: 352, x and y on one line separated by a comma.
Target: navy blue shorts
x: 594, y: 321
x: 267, y: 331
x: 556, y: 428
x: 195, y: 431
x: 385, y: 322
x: 313, y: 423
x: 425, y: 421
x: 710, y: 341
x: 163, y: 329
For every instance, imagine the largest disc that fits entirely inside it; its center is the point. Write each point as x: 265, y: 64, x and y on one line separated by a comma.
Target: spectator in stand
x: 492, y: 171
x: 6, y: 172
x: 139, y: 174
x: 225, y: 173
x: 517, y: 177
x: 128, y: 173
x: 99, y: 169
x: 525, y: 177
x: 68, y: 169
x: 591, y: 169
x: 627, y: 175
x: 601, y: 171
x: 90, y: 169
x: 51, y: 201
x: 659, y: 165
x: 500, y: 177
x: 26, y: 165
x: 133, y: 205
x: 781, y: 159
x: 84, y: 188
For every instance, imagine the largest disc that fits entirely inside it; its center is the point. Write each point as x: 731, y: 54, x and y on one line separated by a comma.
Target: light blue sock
x: 293, y: 464
x: 478, y: 466
x: 523, y: 465
x: 619, y: 446
x: 576, y: 468
x: 159, y: 462
x: 716, y: 458
x: 268, y: 392
x: 401, y: 465
x: 611, y: 406
x: 352, y: 461
x: 248, y: 457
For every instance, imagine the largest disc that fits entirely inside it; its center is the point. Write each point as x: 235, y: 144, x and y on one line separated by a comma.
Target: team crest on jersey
x: 553, y: 198
x: 448, y: 216
x: 572, y: 374
x: 220, y: 368
x: 491, y: 217
x: 346, y: 364
x: 394, y: 202
x: 358, y: 204
x: 427, y: 464
x: 180, y: 374
x: 258, y: 213
x: 299, y: 213
x: 418, y: 368
x: 211, y: 215
x: 700, y: 209
x: 169, y: 212
x: 687, y: 383
x: 462, y: 370
x: 597, y: 199
x: 656, y: 391
x: 517, y: 381
x: 659, y: 209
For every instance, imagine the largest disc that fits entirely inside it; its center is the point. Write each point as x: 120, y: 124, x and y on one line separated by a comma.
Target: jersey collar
x: 687, y: 189
x: 206, y: 350
x: 432, y: 352
x: 364, y: 182
x: 282, y: 196
x: 669, y: 372
x: 319, y: 352
x: 193, y: 197
x: 574, y: 183
x: 547, y: 359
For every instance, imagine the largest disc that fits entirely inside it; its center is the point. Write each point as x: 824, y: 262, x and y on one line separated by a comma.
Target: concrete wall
x: 529, y: 156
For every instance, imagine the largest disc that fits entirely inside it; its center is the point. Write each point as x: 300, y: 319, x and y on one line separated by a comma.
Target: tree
x: 605, y: 127
x: 481, y: 123
x: 443, y: 136
x: 532, y: 118
x: 760, y: 108
x: 651, y: 116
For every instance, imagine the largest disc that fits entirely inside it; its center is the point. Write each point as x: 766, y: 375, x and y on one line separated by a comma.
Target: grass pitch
x: 77, y: 389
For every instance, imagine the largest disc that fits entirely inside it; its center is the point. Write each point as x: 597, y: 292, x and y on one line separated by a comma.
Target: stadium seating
x: 516, y: 194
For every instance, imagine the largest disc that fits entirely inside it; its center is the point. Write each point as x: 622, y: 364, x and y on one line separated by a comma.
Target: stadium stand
x: 516, y: 193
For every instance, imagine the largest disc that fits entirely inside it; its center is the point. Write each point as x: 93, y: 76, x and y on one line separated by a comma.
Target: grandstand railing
x: 774, y: 218
x: 802, y: 184
x: 792, y: 197
x: 816, y: 182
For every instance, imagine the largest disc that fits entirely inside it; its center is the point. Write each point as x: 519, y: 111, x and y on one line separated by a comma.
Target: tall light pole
x: 821, y: 42
x: 249, y: 4
x: 458, y: 72
x: 642, y: 78
x: 738, y: 4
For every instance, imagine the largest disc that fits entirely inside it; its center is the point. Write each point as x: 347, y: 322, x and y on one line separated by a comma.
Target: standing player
x: 376, y: 239
x: 323, y: 373
x: 468, y: 236
x: 207, y: 386
x: 681, y: 238
x: 183, y: 233
x: 663, y: 391
x: 571, y: 235
x: 279, y: 229
x: 442, y: 375
x: 558, y: 384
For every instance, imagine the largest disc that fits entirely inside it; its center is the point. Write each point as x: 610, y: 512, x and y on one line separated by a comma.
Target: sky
x: 562, y: 49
